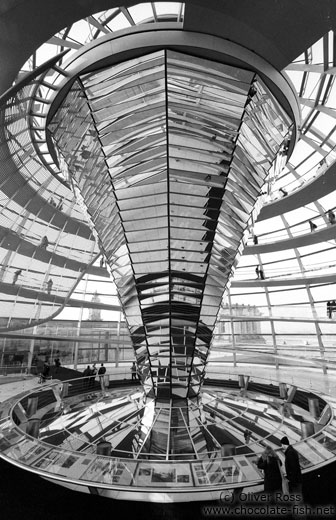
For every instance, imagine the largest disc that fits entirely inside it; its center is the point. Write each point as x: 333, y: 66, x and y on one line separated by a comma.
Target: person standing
x: 292, y: 466
x: 312, y: 225
x: 101, y: 374
x: 270, y: 463
x: 46, y: 371
x: 329, y: 311
x: 49, y: 285
x: 93, y: 373
x: 134, y: 371
x: 57, y: 364
x: 16, y: 275
x: 331, y: 216
x: 86, y: 374
x: 332, y: 308
x: 44, y: 242
x: 261, y: 273
x: 247, y: 435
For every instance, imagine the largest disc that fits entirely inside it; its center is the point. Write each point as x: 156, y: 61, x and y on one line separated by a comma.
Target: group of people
x: 18, y: 273
x: 90, y: 374
x: 278, y: 479
x: 48, y: 371
x: 331, y: 218
x: 330, y: 214
x: 58, y: 205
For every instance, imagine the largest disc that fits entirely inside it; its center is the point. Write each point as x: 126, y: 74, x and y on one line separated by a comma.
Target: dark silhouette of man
x: 101, y: 373
x: 292, y: 465
x: 44, y: 242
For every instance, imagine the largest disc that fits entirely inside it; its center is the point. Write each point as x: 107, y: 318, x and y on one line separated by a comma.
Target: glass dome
x: 52, y: 261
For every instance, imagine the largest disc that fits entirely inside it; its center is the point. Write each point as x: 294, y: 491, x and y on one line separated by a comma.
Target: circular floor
x: 121, y: 444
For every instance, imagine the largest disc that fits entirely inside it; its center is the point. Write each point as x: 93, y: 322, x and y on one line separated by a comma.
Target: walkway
x: 304, y: 378
x: 315, y: 237
x: 314, y: 190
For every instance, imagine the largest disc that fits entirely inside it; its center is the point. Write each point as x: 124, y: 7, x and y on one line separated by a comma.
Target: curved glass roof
x: 99, y: 24
x: 298, y: 263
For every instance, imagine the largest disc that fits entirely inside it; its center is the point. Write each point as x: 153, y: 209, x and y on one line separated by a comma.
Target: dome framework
x: 172, y: 302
